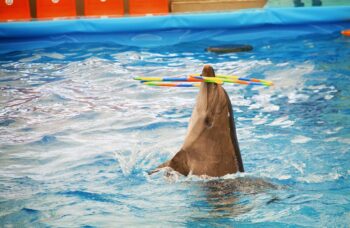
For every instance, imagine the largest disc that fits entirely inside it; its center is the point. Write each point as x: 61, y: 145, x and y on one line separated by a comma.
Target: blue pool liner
x: 172, y: 29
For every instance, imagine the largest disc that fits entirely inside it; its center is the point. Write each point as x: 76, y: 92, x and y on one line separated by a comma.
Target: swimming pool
x: 78, y: 134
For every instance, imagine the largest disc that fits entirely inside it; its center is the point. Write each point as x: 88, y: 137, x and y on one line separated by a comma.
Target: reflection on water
x: 78, y: 136
x: 228, y: 197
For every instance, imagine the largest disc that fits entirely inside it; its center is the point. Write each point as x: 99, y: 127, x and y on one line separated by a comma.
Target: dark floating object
x: 230, y: 48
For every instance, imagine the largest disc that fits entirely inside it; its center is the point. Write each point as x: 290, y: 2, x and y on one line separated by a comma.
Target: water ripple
x: 78, y: 135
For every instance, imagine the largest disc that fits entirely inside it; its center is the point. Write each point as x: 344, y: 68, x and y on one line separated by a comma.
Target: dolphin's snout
x: 208, y: 71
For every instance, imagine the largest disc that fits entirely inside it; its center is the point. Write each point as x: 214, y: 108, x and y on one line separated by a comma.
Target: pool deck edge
x: 222, y: 20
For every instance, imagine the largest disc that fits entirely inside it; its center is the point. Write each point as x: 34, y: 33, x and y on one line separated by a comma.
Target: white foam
x: 30, y: 59
x: 289, y: 79
x: 333, y: 131
x: 299, y: 166
x: 265, y: 136
x: 328, y: 97
x: 263, y: 101
x: 300, y: 139
x: 284, y: 177
x: 317, y: 87
x: 332, y: 139
x: 53, y: 55
x: 316, y: 178
x: 259, y: 121
x: 337, y: 139
x: 295, y: 97
x: 271, y: 108
x: 282, y: 122
x: 344, y: 140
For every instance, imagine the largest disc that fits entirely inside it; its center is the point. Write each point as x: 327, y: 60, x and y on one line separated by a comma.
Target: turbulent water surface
x: 78, y: 136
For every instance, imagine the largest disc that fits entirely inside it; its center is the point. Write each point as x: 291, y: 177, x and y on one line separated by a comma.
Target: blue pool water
x: 78, y: 135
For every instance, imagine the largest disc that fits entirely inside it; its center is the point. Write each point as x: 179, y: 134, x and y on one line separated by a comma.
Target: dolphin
x: 211, y: 146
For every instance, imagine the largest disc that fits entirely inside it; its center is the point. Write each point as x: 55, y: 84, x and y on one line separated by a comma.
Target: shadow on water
x: 232, y: 197
x: 225, y: 200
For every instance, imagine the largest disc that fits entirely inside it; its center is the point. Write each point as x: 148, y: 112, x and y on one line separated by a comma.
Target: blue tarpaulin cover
x: 177, y: 28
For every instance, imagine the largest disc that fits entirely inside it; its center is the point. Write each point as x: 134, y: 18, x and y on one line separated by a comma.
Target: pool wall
x: 249, y: 24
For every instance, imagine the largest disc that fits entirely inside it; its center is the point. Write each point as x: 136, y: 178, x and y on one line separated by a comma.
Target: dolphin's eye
x: 208, y: 121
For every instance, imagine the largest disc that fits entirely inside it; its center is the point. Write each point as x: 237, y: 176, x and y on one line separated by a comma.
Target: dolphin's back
x: 234, y: 135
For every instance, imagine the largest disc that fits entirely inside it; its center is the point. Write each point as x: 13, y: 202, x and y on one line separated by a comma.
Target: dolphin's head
x: 211, y: 100
x: 211, y: 106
